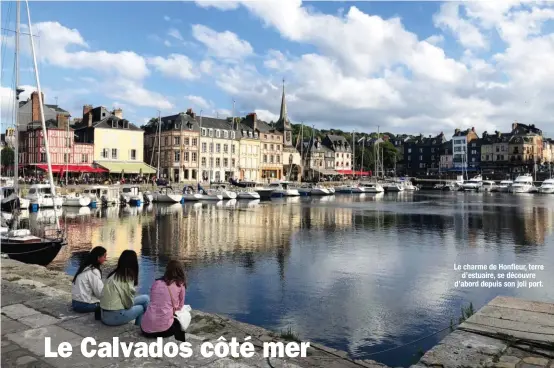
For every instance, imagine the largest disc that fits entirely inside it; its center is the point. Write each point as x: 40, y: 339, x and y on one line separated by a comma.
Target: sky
x: 405, y: 67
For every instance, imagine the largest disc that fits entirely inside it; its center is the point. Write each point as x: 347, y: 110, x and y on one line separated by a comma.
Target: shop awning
x: 326, y: 171
x: 127, y: 167
x: 350, y: 172
x: 72, y: 168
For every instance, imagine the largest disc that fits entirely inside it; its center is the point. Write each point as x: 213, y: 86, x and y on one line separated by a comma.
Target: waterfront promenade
x: 36, y: 304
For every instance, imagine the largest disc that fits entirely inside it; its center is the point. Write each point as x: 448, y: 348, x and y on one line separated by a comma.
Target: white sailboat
x: 20, y: 244
x: 167, y: 195
x: 523, y: 184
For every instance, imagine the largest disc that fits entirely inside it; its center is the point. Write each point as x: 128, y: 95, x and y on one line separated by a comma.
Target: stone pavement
x: 35, y: 303
x: 506, y: 333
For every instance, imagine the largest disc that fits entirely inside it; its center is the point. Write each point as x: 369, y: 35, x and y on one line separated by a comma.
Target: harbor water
x: 361, y: 273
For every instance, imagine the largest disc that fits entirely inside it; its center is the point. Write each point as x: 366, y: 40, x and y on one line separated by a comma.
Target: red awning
x: 350, y: 172
x: 73, y: 168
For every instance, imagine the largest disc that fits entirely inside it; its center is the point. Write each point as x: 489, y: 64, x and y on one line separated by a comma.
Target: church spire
x: 283, y: 121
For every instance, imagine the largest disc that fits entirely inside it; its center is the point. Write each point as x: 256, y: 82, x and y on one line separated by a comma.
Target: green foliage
x: 466, y: 312
x: 8, y: 156
x: 289, y: 335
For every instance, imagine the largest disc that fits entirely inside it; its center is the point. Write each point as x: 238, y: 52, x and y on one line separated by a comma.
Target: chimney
x: 35, y: 106
x: 63, y: 121
x: 456, y: 131
x: 191, y: 113
x: 485, y: 134
x: 473, y: 129
x: 252, y: 119
x: 118, y: 113
x: 86, y: 109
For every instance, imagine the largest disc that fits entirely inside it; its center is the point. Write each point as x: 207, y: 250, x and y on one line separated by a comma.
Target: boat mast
x: 16, y: 102
x: 353, y: 154
x: 301, y: 153
x: 44, y: 130
x: 159, y: 140
x: 68, y: 143
x: 231, y: 145
x: 363, y: 150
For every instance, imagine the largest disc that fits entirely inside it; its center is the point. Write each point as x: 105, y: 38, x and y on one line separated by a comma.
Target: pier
x: 505, y: 333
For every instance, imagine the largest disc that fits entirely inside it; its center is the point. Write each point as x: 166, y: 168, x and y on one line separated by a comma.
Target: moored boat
x: 41, y: 196
x: 167, y: 195
x: 283, y: 189
x: 523, y: 184
x: 547, y: 186
x: 488, y: 186
x: 504, y: 186
x: 372, y: 188
x: 474, y: 183
x: 76, y: 200
x: 248, y: 194
x: 22, y: 246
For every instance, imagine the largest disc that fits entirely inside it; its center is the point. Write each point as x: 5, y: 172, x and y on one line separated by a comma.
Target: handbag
x: 183, y: 314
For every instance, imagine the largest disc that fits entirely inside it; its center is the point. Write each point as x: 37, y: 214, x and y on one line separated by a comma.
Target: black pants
x: 174, y: 330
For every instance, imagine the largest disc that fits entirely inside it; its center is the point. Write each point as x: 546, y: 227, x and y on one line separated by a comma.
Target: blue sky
x: 415, y: 67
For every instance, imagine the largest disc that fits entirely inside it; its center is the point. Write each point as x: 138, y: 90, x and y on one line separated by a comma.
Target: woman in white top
x: 87, y: 283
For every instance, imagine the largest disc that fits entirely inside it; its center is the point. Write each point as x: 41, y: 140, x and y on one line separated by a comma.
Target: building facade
x: 422, y: 155
x: 177, y: 142
x: 446, y: 158
x: 460, y: 151
x: 314, y: 159
x: 271, y: 148
x: 343, y: 152
x: 219, y: 149
x: 118, y: 144
x: 249, y: 158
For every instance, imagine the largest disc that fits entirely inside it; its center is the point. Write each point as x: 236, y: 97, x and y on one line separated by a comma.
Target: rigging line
x: 4, y: 42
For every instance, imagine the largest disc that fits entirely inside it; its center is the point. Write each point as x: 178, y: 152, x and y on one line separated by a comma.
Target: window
x: 186, y: 157
x: 177, y: 156
x: 502, y: 148
x: 278, y: 147
x: 233, y: 149
x: 225, y: 134
x: 409, y: 150
x: 218, y: 133
x: 193, y: 156
x: 133, y: 154
x: 225, y: 148
x: 211, y: 162
x: 233, y: 162
x: 114, y: 153
x: 166, y: 141
x: 255, y: 135
x: 211, y: 147
x: 271, y: 158
x: 65, y: 157
x: 84, y: 158
x: 43, y: 157
x: 204, y: 132
x: 250, y: 134
x: 420, y: 158
x: 218, y: 148
x: 204, y: 147
x: 421, y: 150
x: 271, y: 147
x: 105, y: 153
x: 176, y: 141
x: 277, y: 159
x: 225, y: 162
x: 265, y: 146
x: 203, y: 161
x: 186, y: 141
x: 265, y: 136
x: 194, y: 142
x: 232, y: 135
x: 473, y: 159
x: 432, y: 150
x: 265, y: 158
x: 218, y: 162
x: 211, y: 132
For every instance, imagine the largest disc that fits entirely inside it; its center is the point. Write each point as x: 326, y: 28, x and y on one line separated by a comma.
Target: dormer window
x: 204, y: 132
x: 211, y: 132
x: 250, y: 134
x: 232, y: 135
x: 255, y: 135
x: 189, y: 126
x: 169, y: 121
x: 225, y: 134
x: 218, y: 133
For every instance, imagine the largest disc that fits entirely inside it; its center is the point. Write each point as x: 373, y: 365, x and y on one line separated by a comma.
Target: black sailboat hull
x: 10, y: 206
x: 41, y: 253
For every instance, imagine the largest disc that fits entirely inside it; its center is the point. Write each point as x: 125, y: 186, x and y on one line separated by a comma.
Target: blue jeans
x: 82, y: 307
x: 123, y: 316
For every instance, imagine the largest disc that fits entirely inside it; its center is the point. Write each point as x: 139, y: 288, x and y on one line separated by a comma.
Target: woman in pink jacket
x: 167, y: 295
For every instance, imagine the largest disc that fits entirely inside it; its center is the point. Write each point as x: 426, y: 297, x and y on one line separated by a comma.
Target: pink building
x: 65, y: 154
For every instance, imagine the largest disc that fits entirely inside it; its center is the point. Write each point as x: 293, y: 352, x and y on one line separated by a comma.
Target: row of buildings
x: 188, y: 147
x: 523, y: 149
x: 181, y: 147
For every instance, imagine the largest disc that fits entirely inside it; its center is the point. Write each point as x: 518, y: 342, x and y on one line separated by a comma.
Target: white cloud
x: 468, y: 34
x: 218, y: 4
x: 174, y: 32
x: 224, y: 45
x: 266, y: 115
x: 176, y: 65
x: 134, y: 93
x: 199, y: 102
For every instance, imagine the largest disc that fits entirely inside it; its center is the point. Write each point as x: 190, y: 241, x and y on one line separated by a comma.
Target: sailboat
x: 20, y: 244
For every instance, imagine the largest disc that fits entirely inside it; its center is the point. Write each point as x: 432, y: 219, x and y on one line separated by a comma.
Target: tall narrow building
x: 291, y: 158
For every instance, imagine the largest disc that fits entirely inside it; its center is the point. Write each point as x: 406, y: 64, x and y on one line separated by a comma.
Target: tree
x: 8, y: 157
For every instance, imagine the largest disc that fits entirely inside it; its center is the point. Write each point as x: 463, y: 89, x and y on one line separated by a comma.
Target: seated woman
x: 119, y: 304
x: 167, y: 295
x: 87, y: 283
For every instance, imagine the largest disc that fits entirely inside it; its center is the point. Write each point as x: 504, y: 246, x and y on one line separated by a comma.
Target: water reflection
x: 361, y: 273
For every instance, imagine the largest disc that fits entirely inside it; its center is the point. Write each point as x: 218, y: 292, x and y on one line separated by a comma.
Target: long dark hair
x: 127, y: 267
x: 174, y: 272
x: 91, y: 260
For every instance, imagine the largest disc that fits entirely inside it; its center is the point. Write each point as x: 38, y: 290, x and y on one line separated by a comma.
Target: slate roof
x: 173, y: 122
x: 102, y: 118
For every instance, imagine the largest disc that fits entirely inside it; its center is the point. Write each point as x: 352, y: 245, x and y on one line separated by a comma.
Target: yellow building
x: 219, y: 149
x: 118, y: 144
x: 249, y: 161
